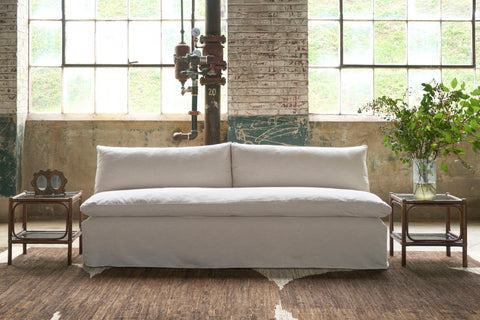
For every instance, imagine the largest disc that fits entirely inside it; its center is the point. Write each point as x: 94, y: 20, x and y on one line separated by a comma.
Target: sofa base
x: 235, y: 242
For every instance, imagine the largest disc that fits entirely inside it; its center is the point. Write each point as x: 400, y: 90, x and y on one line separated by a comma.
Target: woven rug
x: 39, y: 285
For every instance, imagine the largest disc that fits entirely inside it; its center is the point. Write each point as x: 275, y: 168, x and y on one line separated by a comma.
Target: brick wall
x: 13, y: 93
x: 8, y: 57
x: 268, y: 68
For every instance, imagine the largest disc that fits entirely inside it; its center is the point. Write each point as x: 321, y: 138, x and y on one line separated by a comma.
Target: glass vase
x: 424, y: 179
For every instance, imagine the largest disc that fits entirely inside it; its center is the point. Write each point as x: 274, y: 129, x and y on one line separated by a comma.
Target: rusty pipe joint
x: 178, y: 136
x: 196, y: 59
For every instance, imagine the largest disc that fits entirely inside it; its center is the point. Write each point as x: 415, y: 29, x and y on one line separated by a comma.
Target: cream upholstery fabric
x: 280, y: 166
x: 235, y: 242
x: 121, y: 168
x: 253, y: 202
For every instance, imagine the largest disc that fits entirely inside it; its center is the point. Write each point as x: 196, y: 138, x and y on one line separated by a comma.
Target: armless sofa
x: 232, y: 205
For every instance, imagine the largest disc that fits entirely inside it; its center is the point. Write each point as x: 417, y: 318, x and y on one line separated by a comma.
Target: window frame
x: 472, y: 21
x: 129, y: 113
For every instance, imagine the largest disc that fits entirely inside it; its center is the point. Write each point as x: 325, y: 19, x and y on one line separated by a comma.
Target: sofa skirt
x: 235, y: 242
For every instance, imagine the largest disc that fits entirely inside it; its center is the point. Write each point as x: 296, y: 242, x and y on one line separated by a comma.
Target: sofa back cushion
x: 120, y: 168
x: 282, y: 166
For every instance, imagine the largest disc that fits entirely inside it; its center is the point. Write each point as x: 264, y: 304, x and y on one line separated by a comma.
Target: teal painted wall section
x: 8, y: 160
x: 277, y: 130
x: 21, y: 119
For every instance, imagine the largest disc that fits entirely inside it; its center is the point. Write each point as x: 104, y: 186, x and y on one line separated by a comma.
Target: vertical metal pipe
x: 212, y: 82
x: 212, y: 18
x: 212, y: 114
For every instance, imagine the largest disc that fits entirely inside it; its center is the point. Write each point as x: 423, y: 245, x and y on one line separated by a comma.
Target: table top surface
x: 439, y: 198
x: 30, y: 196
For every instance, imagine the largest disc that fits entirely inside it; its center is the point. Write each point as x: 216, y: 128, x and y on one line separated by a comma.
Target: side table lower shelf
x: 429, y: 239
x: 44, y: 236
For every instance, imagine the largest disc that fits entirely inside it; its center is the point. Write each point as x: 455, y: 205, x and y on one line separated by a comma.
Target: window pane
x: 79, y: 9
x: 46, y: 87
x: 390, y: 43
x: 457, y: 9
x: 145, y: 42
x: 170, y: 38
x: 78, y: 90
x: 456, y: 43
x: 424, y: 43
x: 357, y: 9
x: 145, y: 90
x: 390, y: 9
x: 112, y: 42
x: 46, y: 9
x: 323, y: 39
x: 357, y: 41
x: 79, y: 42
x: 477, y: 43
x: 171, y: 10
x: 200, y: 9
x: 321, y: 9
x: 424, y: 9
x: 225, y: 47
x: 323, y: 91
x: 111, y: 90
x: 223, y: 95
x: 391, y: 83
x: 46, y: 40
x: 172, y: 99
x: 111, y: 9
x: 145, y: 9
x: 462, y: 75
x: 415, y: 79
x: 357, y: 89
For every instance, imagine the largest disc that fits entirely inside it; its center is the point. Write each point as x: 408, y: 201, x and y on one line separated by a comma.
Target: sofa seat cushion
x: 263, y: 201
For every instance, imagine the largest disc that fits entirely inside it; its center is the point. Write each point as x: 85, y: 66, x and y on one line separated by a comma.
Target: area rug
x: 39, y: 285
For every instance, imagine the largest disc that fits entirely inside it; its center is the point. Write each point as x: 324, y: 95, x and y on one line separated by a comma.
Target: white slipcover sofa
x: 233, y: 205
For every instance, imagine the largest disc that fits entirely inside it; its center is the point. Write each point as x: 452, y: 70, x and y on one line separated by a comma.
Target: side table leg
x: 80, y: 220
x: 24, y: 225
x: 10, y: 231
x: 404, y: 233
x: 447, y: 230
x: 70, y: 227
x: 464, y: 233
x: 391, y: 227
x: 69, y: 259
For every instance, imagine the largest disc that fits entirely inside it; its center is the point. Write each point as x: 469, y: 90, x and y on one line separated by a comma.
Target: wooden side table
x: 448, y: 239
x: 26, y: 236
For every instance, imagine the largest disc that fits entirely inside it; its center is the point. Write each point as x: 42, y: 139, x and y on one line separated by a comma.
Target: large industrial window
x: 361, y: 49
x: 109, y: 56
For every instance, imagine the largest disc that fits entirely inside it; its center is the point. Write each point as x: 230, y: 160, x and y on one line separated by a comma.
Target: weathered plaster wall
x: 8, y: 167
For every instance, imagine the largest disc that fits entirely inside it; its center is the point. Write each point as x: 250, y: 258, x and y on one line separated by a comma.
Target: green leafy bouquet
x: 444, y: 118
